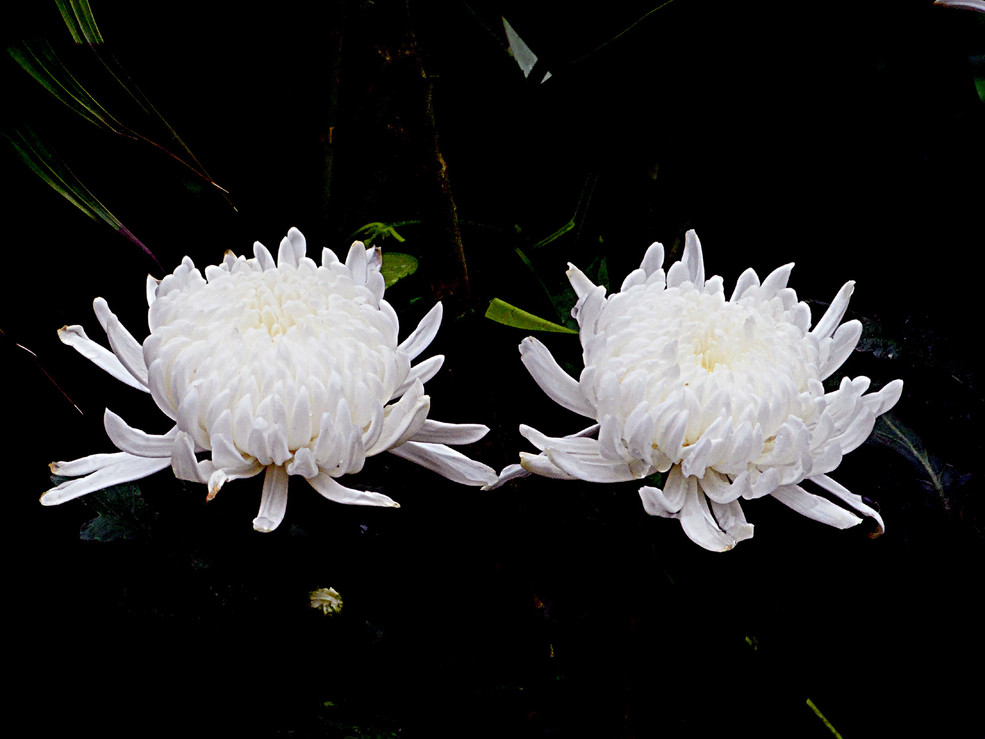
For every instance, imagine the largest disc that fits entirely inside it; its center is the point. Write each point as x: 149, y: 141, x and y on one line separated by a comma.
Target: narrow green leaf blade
x: 509, y: 315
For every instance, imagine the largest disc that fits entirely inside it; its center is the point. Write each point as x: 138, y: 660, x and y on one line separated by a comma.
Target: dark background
x: 846, y: 137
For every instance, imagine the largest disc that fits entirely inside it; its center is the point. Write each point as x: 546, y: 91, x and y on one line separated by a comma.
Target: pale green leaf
x: 509, y: 315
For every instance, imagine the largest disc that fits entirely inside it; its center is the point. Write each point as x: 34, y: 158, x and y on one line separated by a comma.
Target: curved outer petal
x: 855, y: 501
x: 558, y: 384
x: 75, y: 337
x: 403, y: 419
x: 137, y: 442
x: 328, y: 487
x: 423, y: 371
x: 815, y: 507
x: 424, y: 334
x: 835, y: 312
x: 509, y: 473
x: 123, y: 468
x: 124, y: 346
x: 437, y: 432
x: 447, y: 462
x: 596, y: 469
x: 698, y: 523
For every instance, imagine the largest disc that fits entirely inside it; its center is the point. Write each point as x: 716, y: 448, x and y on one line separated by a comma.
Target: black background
x: 846, y: 137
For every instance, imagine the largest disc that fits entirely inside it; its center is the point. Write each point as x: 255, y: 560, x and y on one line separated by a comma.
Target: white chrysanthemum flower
x: 286, y: 368
x: 723, y: 394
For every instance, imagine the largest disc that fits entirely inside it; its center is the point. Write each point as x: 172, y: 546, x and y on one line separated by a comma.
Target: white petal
x: 579, y: 282
x: 292, y: 248
x: 842, y: 344
x: 747, y: 281
x: 423, y: 371
x: 815, y: 507
x: 547, y: 373
x: 303, y: 464
x: 718, y: 488
x: 125, y: 468
x: 698, y: 523
x: 570, y: 444
x: 653, y: 259
x: 775, y: 281
x: 509, y: 473
x: 437, y: 432
x: 356, y: 262
x: 447, y: 462
x: 264, y: 259
x: 884, y: 400
x: 86, y: 465
x: 124, y: 346
x: 835, y: 312
x: 137, y: 442
x: 693, y: 259
x: 424, y: 333
x: 329, y: 488
x: 855, y: 501
x: 185, y: 464
x: 732, y: 520
x: 75, y: 337
x: 273, y: 500
x: 151, y: 286
x: 656, y: 503
x: 595, y: 469
x: 403, y: 420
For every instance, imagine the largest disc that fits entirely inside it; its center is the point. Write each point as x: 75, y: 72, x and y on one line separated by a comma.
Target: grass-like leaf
x: 80, y: 21
x: 509, y: 315
x: 56, y: 174
x: 41, y: 61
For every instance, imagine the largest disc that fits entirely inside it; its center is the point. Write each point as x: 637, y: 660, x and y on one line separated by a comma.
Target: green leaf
x: 509, y: 315
x: 396, y: 266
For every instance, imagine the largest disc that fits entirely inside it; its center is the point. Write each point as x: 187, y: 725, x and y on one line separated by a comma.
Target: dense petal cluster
x: 724, y: 395
x: 283, y: 367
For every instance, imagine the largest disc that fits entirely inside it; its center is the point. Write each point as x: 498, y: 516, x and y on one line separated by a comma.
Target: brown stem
x: 459, y: 288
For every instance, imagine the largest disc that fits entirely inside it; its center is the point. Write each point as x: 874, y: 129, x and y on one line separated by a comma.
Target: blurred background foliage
x: 846, y: 137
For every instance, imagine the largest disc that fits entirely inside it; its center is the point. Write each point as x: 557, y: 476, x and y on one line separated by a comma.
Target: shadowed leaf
x: 938, y: 476
x: 121, y: 514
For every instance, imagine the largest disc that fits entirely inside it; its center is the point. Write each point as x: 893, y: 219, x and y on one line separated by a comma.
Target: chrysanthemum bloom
x: 723, y: 394
x: 286, y: 368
